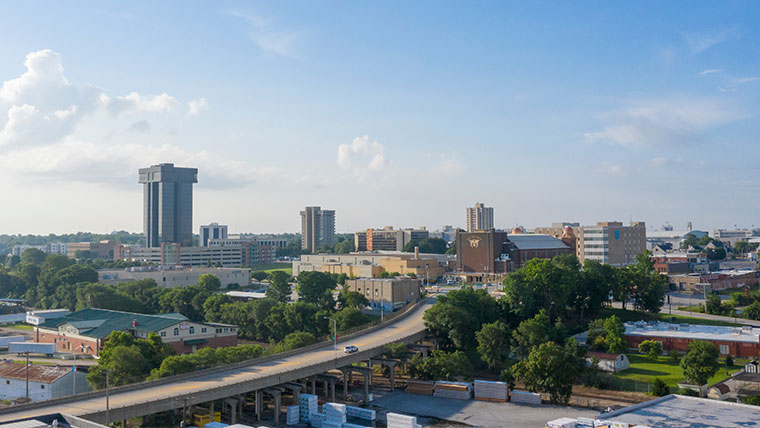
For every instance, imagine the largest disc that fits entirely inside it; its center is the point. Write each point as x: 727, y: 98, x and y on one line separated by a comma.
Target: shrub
x: 754, y: 400
x: 660, y: 388
x: 674, y: 355
x: 651, y: 348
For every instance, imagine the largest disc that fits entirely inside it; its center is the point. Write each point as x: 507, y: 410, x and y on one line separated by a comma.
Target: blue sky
x: 391, y: 113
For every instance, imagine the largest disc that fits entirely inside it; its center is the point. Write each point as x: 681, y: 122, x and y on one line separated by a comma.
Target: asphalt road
x: 405, y: 327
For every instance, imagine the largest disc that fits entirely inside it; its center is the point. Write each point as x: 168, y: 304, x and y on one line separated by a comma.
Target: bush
x: 729, y: 361
x: 754, y: 400
x: 651, y: 348
x: 660, y: 388
x: 674, y: 355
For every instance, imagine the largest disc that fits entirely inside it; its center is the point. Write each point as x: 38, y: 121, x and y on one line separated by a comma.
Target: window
x: 7, y: 382
x: 176, y: 331
x: 163, y: 334
x: 203, y: 329
x: 724, y: 349
x: 192, y: 330
x: 218, y: 330
x: 42, y: 386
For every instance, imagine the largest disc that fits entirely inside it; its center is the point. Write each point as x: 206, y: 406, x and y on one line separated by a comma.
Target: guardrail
x: 218, y: 369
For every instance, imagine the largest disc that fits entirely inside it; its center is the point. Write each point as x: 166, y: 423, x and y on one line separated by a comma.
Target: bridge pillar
x: 369, y: 365
x: 211, y: 411
x: 314, y: 385
x: 233, y: 403
x: 241, y: 397
x: 326, y: 389
x: 345, y: 382
x: 276, y: 394
x: 259, y: 396
x: 332, y: 391
x: 366, y: 387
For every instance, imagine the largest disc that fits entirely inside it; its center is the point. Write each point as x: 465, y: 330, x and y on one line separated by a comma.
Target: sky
x: 391, y: 113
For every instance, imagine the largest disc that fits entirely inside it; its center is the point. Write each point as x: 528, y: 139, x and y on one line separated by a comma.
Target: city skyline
x: 578, y: 113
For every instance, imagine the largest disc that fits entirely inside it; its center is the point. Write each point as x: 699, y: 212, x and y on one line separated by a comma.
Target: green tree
x: 713, y: 305
x: 441, y: 365
x: 651, y: 348
x: 33, y: 256
x: 452, y: 249
x: 259, y: 275
x: 296, y: 340
x: 427, y: 245
x: 494, y: 344
x: 752, y: 311
x: 105, y: 297
x: 316, y: 287
x: 279, y: 288
x: 209, y: 282
x: 344, y: 247
x: 349, y: 318
x: 355, y: 300
x: 660, y: 388
x: 456, y: 317
x: 649, y: 285
x: 615, y: 337
x: 214, y: 307
x: 542, y: 284
x: 551, y: 368
x: 597, y: 335
x: 700, y: 362
x: 533, y: 332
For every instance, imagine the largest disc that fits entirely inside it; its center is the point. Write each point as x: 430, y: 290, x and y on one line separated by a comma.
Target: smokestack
x: 416, y: 253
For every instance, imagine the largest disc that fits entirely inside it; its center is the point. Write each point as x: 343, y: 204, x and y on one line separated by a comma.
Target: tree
x: 452, y: 249
x: 279, y: 288
x: 615, y: 334
x: 700, y: 362
x: 209, y: 282
x: 660, y: 388
x: 593, y: 290
x: 296, y: 340
x: 542, y: 284
x: 349, y: 318
x: 551, y: 368
x: 651, y: 348
x: 531, y: 333
x: 712, y: 305
x: 752, y: 311
x: 33, y: 256
x: 457, y: 316
x: 316, y: 287
x: 649, y: 285
x: 597, y: 335
x: 441, y: 365
x: 344, y: 247
x: 214, y: 306
x: 494, y: 344
x: 716, y: 253
x: 356, y: 300
x: 105, y: 297
x: 259, y: 275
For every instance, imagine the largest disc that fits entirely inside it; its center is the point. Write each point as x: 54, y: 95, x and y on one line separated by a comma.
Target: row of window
x: 191, y: 330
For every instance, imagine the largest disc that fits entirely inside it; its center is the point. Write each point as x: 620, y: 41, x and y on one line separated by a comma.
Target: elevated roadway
x: 229, y: 381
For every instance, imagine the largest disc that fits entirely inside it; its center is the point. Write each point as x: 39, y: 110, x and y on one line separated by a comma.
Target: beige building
x: 373, y: 264
x: 175, y: 276
x: 479, y: 217
x: 109, y: 250
x: 612, y: 243
x: 387, y: 239
x: 388, y: 293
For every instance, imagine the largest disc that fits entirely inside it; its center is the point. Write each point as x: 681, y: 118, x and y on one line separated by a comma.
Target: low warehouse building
x: 45, y: 382
x: 389, y: 294
x: 734, y: 341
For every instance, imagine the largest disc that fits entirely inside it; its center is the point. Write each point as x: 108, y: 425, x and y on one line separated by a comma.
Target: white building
x: 38, y: 317
x: 45, y: 382
x: 479, y: 217
x: 175, y: 276
x: 612, y: 363
x: 51, y: 248
x: 212, y: 231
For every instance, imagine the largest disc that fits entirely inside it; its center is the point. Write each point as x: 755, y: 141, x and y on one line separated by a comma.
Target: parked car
x: 350, y: 349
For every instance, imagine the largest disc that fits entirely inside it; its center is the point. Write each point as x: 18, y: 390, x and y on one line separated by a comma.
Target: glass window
x: 203, y: 329
x: 176, y: 331
x: 163, y: 334
x: 192, y: 330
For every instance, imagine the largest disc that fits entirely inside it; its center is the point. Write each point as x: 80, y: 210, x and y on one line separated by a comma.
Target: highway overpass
x: 234, y: 380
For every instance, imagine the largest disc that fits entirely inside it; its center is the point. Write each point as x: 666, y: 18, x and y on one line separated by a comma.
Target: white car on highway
x: 350, y: 349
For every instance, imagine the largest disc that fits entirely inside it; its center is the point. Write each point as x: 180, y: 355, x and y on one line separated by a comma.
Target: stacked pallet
x: 491, y: 391
x: 317, y: 419
x: 335, y: 415
x: 307, y: 405
x: 358, y: 412
x: 525, y: 397
x: 456, y: 390
x: 292, y: 415
x: 395, y: 420
x: 347, y: 425
x: 562, y: 423
x: 585, y: 423
x: 420, y: 387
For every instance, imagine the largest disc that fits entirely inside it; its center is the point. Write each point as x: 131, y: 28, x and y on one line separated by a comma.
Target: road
x: 149, y: 398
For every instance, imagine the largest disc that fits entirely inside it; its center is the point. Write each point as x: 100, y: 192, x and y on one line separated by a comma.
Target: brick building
x: 87, y: 330
x: 734, y: 341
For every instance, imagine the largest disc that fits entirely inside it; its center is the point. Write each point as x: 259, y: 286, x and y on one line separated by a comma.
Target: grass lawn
x: 19, y: 326
x: 271, y: 267
x: 630, y: 315
x: 646, y: 370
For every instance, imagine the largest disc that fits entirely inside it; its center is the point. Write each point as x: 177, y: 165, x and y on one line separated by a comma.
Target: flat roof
x: 693, y: 331
x: 678, y: 411
x: 529, y: 241
x: 41, y: 373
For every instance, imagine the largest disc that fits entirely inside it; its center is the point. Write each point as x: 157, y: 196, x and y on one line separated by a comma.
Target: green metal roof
x: 99, y: 323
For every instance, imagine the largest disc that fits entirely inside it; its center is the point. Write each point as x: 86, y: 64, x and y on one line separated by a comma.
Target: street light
x: 335, y: 335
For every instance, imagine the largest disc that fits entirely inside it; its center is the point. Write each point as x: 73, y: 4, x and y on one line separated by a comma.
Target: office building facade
x: 211, y: 231
x: 612, y: 243
x: 387, y: 239
x: 479, y: 217
x: 317, y: 228
x: 168, y: 204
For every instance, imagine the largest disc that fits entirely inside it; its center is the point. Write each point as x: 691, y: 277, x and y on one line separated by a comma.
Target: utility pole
x: 108, y: 398
x: 27, y: 375
x: 335, y: 336
x: 74, y: 382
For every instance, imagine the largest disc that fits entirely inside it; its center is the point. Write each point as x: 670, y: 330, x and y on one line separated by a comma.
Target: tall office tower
x: 212, y: 231
x: 168, y: 204
x: 479, y: 217
x: 612, y: 243
x: 317, y: 228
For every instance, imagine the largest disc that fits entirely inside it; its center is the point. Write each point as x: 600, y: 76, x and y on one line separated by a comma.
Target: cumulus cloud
x: 647, y: 123
x: 141, y: 126
x: 195, y: 107
x: 42, y: 107
x: 362, y: 157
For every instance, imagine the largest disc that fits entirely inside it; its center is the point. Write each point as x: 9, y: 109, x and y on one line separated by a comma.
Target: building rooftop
x: 99, y: 323
x: 694, y: 332
x: 677, y: 411
x: 41, y: 373
x: 535, y: 242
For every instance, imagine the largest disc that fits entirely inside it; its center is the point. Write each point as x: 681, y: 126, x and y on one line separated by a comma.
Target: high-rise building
x: 168, y: 204
x: 612, y: 243
x: 479, y: 217
x: 317, y: 228
x: 212, y: 231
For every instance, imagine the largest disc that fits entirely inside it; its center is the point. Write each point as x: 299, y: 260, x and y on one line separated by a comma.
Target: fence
x: 621, y: 384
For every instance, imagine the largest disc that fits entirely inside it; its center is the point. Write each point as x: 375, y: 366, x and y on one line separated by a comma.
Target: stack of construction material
x: 358, y: 412
x: 562, y: 423
x: 395, y: 420
x: 616, y: 424
x: 585, y: 423
x: 335, y: 415
x: 307, y: 404
x: 317, y: 419
x: 491, y: 391
x: 215, y: 425
x: 525, y: 397
x: 348, y: 425
x: 457, y: 390
x: 420, y: 387
x: 293, y: 413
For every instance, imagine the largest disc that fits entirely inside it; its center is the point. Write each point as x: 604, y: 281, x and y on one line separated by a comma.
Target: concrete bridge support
x: 276, y: 394
x: 391, y: 364
x: 295, y: 388
x: 422, y: 349
x: 366, y: 377
x: 329, y: 382
x: 259, y: 403
x: 233, y: 404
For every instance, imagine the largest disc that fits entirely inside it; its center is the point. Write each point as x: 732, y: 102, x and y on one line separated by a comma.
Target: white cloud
x: 141, y: 126
x: 678, y: 121
x: 657, y: 162
x: 614, y: 169
x: 261, y: 32
x: 196, y: 106
x: 699, y: 42
x: 710, y: 71
x: 135, y: 102
x: 740, y: 80
x: 362, y: 157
